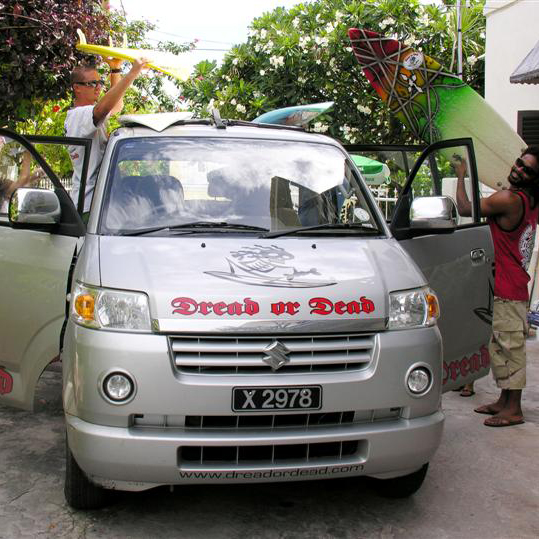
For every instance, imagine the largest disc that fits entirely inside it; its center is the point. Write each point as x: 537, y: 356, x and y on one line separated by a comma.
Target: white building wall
x: 512, y: 31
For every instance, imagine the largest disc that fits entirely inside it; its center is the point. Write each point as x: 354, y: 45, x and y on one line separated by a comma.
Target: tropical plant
x: 303, y: 55
x: 37, y: 51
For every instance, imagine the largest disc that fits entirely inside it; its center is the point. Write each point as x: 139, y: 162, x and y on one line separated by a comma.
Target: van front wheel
x: 400, y: 487
x: 79, y: 492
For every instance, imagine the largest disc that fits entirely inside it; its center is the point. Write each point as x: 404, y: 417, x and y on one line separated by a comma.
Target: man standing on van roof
x: 512, y: 216
x: 89, y: 115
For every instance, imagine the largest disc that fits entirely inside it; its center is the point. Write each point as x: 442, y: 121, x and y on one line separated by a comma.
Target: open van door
x: 40, y: 230
x: 458, y: 261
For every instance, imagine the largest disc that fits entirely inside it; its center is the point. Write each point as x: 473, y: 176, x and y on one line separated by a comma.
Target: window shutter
x: 528, y: 126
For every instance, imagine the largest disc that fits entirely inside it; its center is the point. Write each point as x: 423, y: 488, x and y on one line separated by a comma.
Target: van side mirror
x: 29, y: 206
x: 433, y: 213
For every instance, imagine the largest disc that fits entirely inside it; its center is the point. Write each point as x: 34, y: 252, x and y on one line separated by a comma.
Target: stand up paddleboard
x: 165, y: 62
x: 298, y: 116
x: 435, y: 104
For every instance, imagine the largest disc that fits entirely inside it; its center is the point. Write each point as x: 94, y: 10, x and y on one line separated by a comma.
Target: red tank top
x: 512, y: 253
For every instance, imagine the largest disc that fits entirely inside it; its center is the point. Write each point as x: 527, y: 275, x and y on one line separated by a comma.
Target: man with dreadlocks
x: 512, y: 216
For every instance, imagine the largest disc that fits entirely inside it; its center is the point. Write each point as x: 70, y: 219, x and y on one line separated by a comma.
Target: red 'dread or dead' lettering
x: 6, y: 382
x: 467, y: 365
x: 324, y: 306
x: 290, y: 307
x: 188, y: 306
x: 320, y: 306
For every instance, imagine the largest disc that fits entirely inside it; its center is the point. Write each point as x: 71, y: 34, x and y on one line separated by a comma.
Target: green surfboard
x: 435, y: 104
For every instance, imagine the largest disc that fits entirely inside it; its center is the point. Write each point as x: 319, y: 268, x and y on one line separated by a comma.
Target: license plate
x: 248, y: 399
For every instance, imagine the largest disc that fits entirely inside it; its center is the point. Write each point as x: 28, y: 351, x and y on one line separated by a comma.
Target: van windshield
x: 235, y: 184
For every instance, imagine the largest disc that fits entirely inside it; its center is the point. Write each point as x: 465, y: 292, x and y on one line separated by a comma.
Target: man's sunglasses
x: 529, y: 171
x: 91, y: 83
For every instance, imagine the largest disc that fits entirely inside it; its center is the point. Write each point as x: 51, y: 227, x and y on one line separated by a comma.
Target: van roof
x: 163, y: 120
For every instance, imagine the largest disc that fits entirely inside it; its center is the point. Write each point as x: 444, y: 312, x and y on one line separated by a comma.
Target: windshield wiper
x: 194, y: 227
x: 325, y: 226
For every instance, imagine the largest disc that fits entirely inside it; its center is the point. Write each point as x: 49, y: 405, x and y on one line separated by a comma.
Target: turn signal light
x: 84, y: 306
x: 434, y: 309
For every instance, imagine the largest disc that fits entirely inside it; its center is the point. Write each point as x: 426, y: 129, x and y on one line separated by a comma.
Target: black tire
x: 79, y: 492
x: 399, y: 487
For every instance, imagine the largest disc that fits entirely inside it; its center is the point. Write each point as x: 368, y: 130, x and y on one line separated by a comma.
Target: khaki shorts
x: 507, y: 346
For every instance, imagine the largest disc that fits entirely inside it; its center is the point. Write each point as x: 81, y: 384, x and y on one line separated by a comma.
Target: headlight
x: 103, y: 308
x: 413, y: 309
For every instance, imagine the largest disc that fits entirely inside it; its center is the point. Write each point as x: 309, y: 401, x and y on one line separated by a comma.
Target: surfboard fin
x: 82, y: 37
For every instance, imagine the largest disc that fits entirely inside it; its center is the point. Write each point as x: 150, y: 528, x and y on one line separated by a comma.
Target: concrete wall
x: 512, y: 31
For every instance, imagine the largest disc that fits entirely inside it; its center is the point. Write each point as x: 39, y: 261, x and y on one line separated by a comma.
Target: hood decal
x: 261, y: 265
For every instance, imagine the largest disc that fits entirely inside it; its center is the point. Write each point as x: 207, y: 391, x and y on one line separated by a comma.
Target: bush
x: 303, y: 55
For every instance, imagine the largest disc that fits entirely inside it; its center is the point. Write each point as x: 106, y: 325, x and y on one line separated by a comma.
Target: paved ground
x: 483, y: 483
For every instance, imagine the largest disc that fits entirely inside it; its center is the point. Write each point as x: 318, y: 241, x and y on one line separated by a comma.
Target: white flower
x: 364, y: 110
x: 236, y: 61
x: 211, y: 105
x: 348, y: 49
x: 319, y: 127
x: 233, y: 101
x: 304, y: 42
x: 321, y: 40
x: 338, y: 16
x: 318, y: 61
x: 410, y: 40
x: 472, y: 59
x: 258, y: 47
x: 329, y: 28
x: 240, y: 108
x: 277, y: 61
x: 295, y: 22
x: 302, y: 80
x: 387, y: 22
x: 263, y: 33
x: 262, y: 72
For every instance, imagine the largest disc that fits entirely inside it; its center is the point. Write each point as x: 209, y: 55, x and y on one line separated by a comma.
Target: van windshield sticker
x: 261, y: 265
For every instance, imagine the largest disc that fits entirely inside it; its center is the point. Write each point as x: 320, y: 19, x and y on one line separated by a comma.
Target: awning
x: 373, y: 171
x: 528, y: 70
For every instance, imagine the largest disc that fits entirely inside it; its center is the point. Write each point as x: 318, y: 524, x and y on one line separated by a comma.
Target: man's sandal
x: 502, y: 422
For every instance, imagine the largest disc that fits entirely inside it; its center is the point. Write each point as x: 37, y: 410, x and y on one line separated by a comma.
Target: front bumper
x: 137, y: 459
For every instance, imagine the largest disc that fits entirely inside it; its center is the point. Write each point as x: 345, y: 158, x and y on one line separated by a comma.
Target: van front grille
x: 263, y: 421
x: 309, y: 453
x: 241, y: 354
x: 268, y: 421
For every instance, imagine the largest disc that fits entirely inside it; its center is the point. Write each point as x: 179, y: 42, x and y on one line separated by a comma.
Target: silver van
x: 238, y: 308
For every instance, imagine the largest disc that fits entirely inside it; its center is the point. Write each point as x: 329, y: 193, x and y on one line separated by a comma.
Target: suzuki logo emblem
x: 277, y: 355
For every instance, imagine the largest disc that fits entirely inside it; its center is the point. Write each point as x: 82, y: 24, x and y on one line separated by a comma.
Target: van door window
x: 18, y: 168
x: 385, y: 170
x: 436, y: 177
